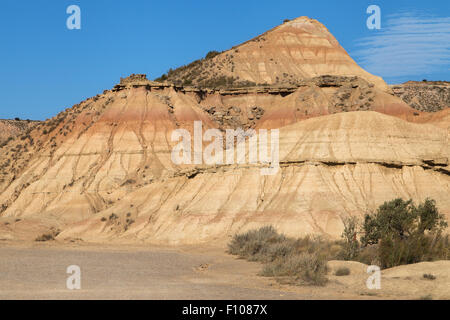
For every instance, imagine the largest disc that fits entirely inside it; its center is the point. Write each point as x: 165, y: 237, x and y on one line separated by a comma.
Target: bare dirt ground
x: 31, y: 270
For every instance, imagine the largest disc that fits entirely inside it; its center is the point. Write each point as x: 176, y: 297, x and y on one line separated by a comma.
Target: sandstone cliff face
x: 331, y: 167
x: 102, y: 171
x: 298, y: 49
x: 429, y: 96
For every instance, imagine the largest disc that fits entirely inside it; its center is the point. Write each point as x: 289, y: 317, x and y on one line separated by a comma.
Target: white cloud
x: 407, y: 45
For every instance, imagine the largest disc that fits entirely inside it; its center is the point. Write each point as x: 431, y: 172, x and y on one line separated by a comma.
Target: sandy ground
x: 38, y: 271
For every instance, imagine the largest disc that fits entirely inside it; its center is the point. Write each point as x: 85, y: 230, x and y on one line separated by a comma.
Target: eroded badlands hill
x: 102, y: 170
x: 298, y: 49
x: 139, y: 115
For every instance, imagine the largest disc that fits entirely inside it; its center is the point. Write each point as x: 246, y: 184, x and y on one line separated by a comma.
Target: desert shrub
x: 369, y: 255
x: 416, y: 248
x: 266, y: 245
x: 312, y: 244
x: 45, y: 237
x: 253, y: 245
x: 302, y: 260
x: 51, y: 235
x: 162, y: 78
x: 277, y: 250
x: 113, y: 216
x: 302, y: 268
x: 212, y: 54
x: 429, y: 276
x: 342, y: 271
x: 6, y: 141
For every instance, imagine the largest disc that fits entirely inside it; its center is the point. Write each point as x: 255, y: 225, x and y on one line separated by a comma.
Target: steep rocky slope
x: 102, y: 170
x: 298, y: 49
x: 13, y: 128
x: 429, y: 96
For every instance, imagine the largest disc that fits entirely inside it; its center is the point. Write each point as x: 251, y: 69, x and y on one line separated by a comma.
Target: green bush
x: 404, y: 233
x: 402, y: 219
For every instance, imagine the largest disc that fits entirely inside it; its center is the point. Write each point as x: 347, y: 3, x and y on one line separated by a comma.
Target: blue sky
x: 46, y: 68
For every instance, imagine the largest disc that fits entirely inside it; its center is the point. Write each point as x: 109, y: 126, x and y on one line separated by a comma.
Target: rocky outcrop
x: 233, y: 117
x: 137, y: 80
x: 271, y: 106
x: 428, y: 96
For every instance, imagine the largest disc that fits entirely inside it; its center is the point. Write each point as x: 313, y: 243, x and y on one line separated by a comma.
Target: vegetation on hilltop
x: 203, y: 73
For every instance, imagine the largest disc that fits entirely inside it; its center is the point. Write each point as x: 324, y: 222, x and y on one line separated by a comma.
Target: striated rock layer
x: 102, y: 170
x: 298, y: 49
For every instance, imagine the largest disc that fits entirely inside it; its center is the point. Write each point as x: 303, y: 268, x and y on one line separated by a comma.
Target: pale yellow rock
x: 331, y: 167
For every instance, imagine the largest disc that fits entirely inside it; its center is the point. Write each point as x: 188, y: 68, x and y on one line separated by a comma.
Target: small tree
x: 396, y: 217
x: 429, y: 218
x: 406, y: 233
x: 351, y: 244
